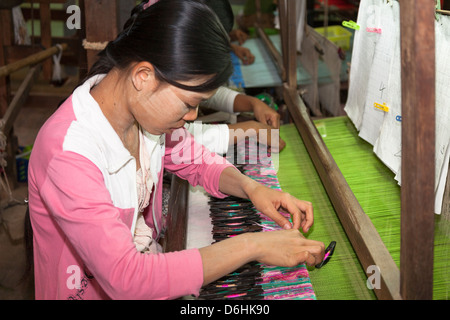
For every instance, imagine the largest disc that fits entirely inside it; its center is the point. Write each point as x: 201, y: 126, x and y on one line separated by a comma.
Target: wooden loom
x: 413, y: 280
x: 35, y: 63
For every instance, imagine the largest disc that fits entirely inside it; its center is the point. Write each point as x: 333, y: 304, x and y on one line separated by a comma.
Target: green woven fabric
x: 342, y: 278
x: 379, y: 195
x: 372, y: 183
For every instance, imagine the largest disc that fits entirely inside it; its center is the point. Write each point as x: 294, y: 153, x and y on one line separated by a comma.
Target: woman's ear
x: 143, y: 76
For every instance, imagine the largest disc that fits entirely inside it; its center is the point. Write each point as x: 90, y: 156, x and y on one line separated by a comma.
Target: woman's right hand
x: 285, y: 248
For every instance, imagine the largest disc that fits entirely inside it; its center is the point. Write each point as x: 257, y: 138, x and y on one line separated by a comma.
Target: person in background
x: 219, y: 137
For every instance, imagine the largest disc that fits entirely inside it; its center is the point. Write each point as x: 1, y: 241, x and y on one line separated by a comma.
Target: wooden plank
x: 283, y: 33
x: 57, y: 14
x: 291, y: 37
x: 418, y: 148
x: 83, y: 63
x: 176, y: 234
x: 15, y: 53
x: 19, y: 98
x: 71, y: 56
x: 270, y: 47
x: 6, y: 25
x: 46, y: 37
x: 47, y: 1
x: 360, y: 230
x: 31, y: 60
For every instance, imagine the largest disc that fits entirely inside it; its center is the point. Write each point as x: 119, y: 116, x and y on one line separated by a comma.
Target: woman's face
x: 168, y: 108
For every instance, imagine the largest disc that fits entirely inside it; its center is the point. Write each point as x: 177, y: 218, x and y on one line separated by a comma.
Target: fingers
x: 242, y: 37
x: 238, y: 35
x: 274, y: 120
x: 282, y: 145
x: 272, y: 213
x: 310, y: 252
x: 265, y: 114
x: 301, y: 211
x: 269, y: 202
x: 310, y: 256
x: 288, y: 248
x: 306, y: 214
x: 247, y: 57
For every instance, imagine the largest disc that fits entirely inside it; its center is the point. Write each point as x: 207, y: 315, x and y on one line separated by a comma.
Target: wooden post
x: 291, y: 54
x: 282, y: 7
x: 101, y: 24
x: 418, y: 148
x: 46, y: 35
x: 6, y: 39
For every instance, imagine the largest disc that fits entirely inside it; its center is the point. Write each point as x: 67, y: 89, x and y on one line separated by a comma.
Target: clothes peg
x: 350, y: 24
x: 382, y: 107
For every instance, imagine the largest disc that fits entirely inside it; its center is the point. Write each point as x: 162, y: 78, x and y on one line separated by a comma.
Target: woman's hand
x: 263, y: 113
x: 269, y: 202
x: 243, y: 53
x: 238, y: 35
x: 285, y: 248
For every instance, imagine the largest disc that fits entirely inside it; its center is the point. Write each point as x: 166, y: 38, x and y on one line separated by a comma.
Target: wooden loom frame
x: 35, y: 63
x: 414, y: 279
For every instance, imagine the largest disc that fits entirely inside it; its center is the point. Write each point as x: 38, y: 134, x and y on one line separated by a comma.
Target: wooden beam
x: 31, y: 60
x: 283, y: 33
x: 291, y: 37
x: 274, y: 53
x: 47, y: 1
x: 6, y: 34
x: 46, y: 36
x: 70, y: 56
x: 418, y: 147
x: 176, y: 234
x: 19, y: 98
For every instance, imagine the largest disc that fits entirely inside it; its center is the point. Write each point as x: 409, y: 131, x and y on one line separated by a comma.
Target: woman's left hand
x: 270, y: 202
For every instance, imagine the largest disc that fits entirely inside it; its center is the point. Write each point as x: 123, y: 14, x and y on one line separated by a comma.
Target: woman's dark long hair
x: 182, y: 39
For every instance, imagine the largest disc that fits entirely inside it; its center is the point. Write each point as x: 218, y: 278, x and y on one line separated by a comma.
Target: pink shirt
x: 83, y: 202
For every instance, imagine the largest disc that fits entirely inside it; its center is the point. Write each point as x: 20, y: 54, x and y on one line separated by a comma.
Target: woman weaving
x: 95, y: 174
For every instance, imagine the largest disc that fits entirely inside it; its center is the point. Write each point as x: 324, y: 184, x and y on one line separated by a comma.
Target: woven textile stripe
x: 278, y: 282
